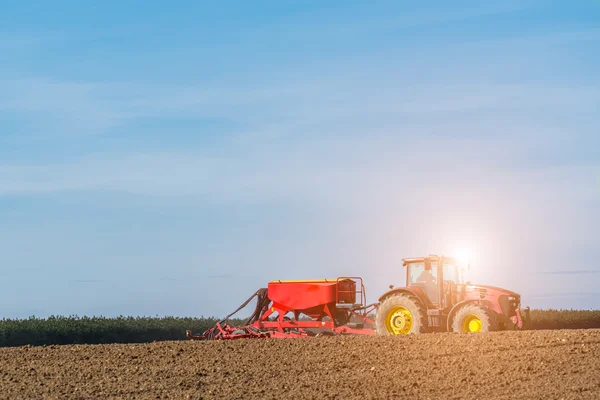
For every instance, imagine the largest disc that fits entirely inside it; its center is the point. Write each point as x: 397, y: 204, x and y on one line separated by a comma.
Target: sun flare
x: 463, y: 255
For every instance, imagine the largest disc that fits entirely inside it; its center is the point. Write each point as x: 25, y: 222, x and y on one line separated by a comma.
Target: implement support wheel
x: 474, y: 318
x: 400, y: 314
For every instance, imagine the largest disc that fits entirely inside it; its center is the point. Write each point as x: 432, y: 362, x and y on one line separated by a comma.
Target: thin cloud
x: 221, y: 276
x: 567, y: 294
x: 293, y: 30
x: 571, y: 272
x: 66, y: 108
x: 22, y: 42
x: 82, y: 107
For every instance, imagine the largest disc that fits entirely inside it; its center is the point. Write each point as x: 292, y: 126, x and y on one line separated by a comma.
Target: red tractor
x: 436, y: 299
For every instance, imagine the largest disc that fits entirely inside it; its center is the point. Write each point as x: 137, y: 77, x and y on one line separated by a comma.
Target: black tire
x: 418, y: 314
x: 476, y: 314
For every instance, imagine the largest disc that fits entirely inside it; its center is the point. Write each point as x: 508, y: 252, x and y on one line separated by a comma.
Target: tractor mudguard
x: 414, y: 291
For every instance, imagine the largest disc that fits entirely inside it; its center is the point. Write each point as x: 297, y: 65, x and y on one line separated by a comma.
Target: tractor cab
x: 435, y: 278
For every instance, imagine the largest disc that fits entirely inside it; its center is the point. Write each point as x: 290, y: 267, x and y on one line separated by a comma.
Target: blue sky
x: 170, y: 160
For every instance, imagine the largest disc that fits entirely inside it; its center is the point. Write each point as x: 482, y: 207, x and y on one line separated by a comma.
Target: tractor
x: 436, y: 299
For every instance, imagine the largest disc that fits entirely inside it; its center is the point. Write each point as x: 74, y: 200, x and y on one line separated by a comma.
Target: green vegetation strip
x: 96, y: 330
x: 565, y: 319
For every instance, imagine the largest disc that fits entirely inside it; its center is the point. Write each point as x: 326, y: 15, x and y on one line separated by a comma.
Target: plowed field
x: 524, y: 365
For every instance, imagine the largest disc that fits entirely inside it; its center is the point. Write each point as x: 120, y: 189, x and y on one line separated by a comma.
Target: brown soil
x: 526, y: 365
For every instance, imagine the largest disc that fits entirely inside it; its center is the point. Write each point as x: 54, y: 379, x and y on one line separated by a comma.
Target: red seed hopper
x: 301, y: 308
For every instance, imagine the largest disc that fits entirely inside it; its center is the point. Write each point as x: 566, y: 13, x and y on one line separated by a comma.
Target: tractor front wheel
x: 474, y: 318
x: 400, y: 314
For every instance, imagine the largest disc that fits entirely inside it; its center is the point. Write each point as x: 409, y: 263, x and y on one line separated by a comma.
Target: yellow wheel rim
x: 472, y: 324
x: 399, y: 321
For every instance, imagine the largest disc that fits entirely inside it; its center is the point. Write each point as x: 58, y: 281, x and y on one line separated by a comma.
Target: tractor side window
x: 416, y: 269
x: 425, y: 279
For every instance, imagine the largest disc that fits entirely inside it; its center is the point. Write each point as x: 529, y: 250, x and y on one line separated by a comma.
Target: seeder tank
x: 302, y: 308
x: 313, y: 298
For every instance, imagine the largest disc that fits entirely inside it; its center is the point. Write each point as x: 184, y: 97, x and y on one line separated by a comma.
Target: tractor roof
x: 431, y: 257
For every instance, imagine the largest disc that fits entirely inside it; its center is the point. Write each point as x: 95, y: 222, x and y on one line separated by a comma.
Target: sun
x: 463, y: 255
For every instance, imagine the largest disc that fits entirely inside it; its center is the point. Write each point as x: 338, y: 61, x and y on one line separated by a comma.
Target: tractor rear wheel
x: 401, y: 314
x: 474, y: 318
